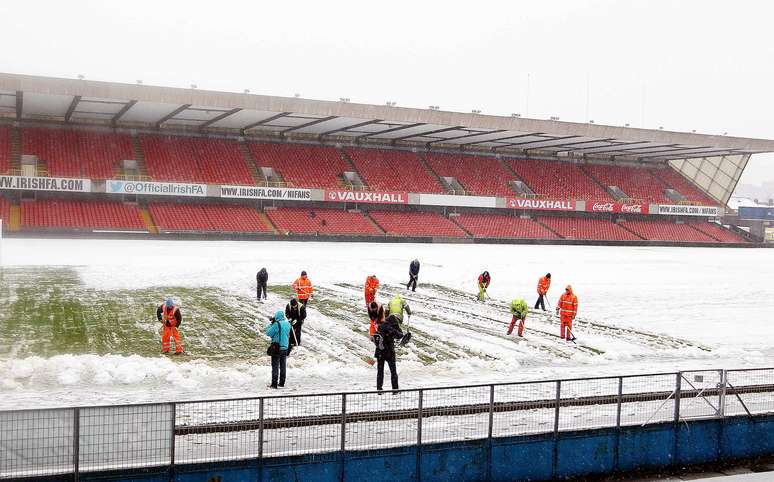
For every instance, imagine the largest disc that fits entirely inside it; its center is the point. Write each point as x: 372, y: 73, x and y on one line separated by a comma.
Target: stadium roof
x: 713, y: 162
x: 25, y: 97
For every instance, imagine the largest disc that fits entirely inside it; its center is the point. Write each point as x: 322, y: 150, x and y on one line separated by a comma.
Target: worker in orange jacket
x: 542, y: 288
x: 371, y: 285
x: 303, y: 288
x: 567, y: 308
x: 169, y: 316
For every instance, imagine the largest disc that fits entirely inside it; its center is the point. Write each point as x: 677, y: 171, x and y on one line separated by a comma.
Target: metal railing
x: 43, y: 442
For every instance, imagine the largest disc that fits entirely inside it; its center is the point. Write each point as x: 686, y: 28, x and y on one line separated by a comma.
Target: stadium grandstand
x: 80, y: 156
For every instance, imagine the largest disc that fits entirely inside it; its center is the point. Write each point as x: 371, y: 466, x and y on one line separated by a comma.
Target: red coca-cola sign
x: 611, y: 207
x: 603, y: 207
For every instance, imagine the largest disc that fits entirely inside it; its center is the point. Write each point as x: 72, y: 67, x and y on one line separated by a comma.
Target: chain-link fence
x: 46, y: 442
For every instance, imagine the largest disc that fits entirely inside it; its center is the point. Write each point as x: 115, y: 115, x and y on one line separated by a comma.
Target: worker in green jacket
x: 519, y: 311
x: 396, y: 307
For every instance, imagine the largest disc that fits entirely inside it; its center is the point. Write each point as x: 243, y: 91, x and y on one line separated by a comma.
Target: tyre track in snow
x: 631, y: 335
x: 489, y: 336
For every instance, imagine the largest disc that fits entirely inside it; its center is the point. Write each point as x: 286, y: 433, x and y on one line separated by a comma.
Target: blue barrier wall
x: 543, y: 457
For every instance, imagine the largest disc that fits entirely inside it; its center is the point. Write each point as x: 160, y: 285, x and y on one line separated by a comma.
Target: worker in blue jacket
x: 279, y: 331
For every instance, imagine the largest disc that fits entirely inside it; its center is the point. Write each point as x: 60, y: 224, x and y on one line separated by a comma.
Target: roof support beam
x: 618, y: 147
x: 404, y: 126
x: 354, y: 126
x: 533, y: 134
x: 662, y: 151
x: 526, y: 143
x: 171, y: 115
x: 420, y: 134
x: 475, y: 134
x: 121, y: 112
x: 19, y: 104
x: 262, y: 122
x: 685, y: 155
x: 578, y: 143
x: 308, y: 124
x: 219, y: 117
x: 72, y: 107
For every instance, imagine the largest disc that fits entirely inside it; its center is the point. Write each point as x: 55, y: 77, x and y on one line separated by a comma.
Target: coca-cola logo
x: 606, y: 207
x: 631, y: 208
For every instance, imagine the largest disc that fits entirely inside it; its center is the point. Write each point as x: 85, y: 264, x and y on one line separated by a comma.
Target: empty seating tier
x: 667, y: 231
x: 195, y: 159
x: 481, y: 176
x: 69, y: 153
x: 322, y: 221
x: 416, y: 224
x: 676, y: 181
x: 502, y: 226
x: 5, y: 149
x: 636, y: 182
x: 302, y: 165
x: 559, y: 180
x: 76, y: 214
x: 385, y: 170
x: 718, y: 232
x: 207, y: 217
x: 587, y: 228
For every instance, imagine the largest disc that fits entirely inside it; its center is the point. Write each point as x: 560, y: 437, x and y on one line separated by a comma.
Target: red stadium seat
x: 676, y: 181
x: 416, y: 224
x: 70, y: 153
x: 718, y: 232
x: 207, y: 217
x: 5, y: 149
x: 384, y: 170
x: 480, y: 176
x: 78, y: 214
x: 665, y: 230
x: 636, y: 182
x: 502, y: 226
x: 302, y: 165
x: 323, y: 221
x: 587, y: 228
x: 559, y: 180
x: 195, y: 159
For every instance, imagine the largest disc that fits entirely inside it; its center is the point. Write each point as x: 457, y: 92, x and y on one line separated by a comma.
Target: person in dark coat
x: 261, y: 279
x: 295, y: 313
x: 413, y: 275
x: 387, y: 333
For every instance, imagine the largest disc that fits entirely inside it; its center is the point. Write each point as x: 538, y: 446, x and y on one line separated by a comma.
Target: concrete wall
x: 542, y: 457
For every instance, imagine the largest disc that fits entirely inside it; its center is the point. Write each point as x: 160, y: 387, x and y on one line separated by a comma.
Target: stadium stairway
x: 426, y: 166
x: 147, y: 219
x: 453, y: 219
x: 352, y: 168
x: 14, y: 218
x: 15, y: 149
x: 139, y: 157
x: 599, y: 183
x: 515, y: 177
x: 538, y: 221
x: 373, y: 222
x: 267, y: 222
x: 252, y: 165
x: 634, y: 233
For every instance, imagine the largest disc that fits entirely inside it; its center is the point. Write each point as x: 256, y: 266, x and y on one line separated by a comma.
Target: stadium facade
x: 80, y: 156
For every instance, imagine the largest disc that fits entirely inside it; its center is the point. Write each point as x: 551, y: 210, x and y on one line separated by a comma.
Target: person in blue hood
x: 279, y: 331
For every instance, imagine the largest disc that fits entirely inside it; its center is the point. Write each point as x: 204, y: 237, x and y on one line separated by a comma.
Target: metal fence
x: 42, y: 442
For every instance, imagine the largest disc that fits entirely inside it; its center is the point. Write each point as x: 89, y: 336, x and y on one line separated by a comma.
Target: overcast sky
x: 683, y: 65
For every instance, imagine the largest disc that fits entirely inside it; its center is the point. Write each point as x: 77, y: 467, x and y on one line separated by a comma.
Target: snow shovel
x: 407, y: 337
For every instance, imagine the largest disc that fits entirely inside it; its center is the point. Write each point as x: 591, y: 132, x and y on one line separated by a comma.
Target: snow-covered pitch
x: 642, y: 309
